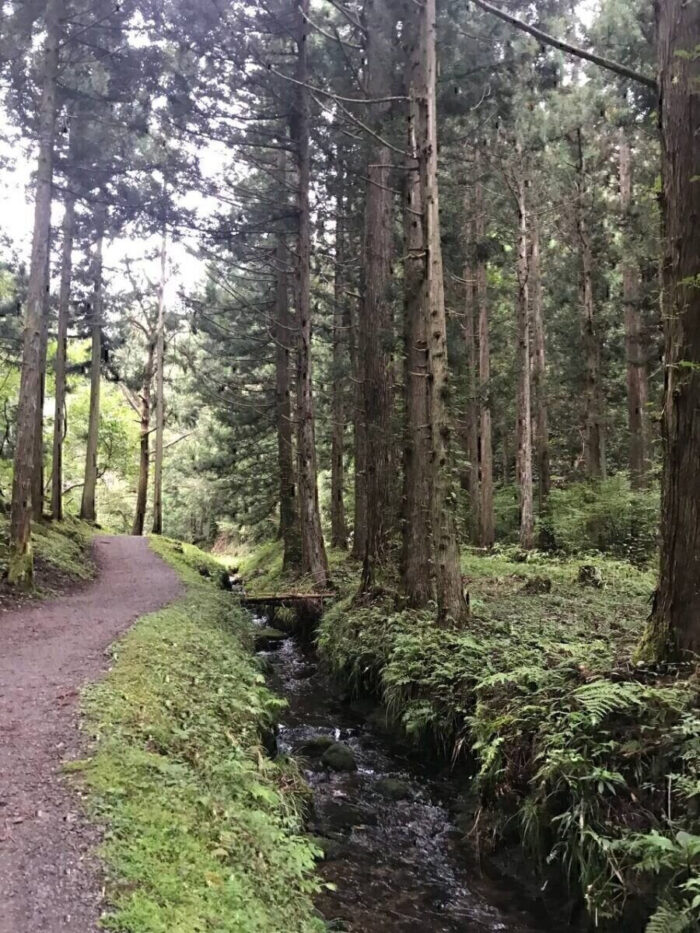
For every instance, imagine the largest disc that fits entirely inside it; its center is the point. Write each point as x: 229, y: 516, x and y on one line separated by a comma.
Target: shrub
x: 607, y: 515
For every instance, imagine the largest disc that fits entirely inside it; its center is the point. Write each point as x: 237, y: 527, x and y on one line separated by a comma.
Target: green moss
x: 57, y: 547
x: 203, y: 831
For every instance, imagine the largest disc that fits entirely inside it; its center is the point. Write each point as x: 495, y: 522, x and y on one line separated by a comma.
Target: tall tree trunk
x: 339, y: 532
x: 471, y: 427
x: 313, y: 552
x: 59, y: 424
x: 539, y: 371
x: 593, y: 430
x: 486, y: 520
x: 87, y: 505
x: 376, y: 326
x: 144, y: 440
x: 290, y: 531
x: 417, y: 570
x: 38, y: 471
x: 524, y: 418
x: 359, y: 534
x: 21, y: 565
x: 637, y: 383
x: 674, y: 627
x: 448, y: 579
x: 160, y: 393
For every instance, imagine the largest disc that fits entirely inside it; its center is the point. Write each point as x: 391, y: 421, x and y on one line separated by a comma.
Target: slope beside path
x: 49, y: 880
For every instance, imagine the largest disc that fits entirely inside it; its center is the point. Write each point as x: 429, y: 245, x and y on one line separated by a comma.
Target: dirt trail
x: 49, y: 883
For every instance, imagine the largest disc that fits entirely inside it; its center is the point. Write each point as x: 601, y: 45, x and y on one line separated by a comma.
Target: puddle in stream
x: 396, y: 863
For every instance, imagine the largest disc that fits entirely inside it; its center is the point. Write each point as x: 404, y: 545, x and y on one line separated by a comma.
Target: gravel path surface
x: 49, y: 881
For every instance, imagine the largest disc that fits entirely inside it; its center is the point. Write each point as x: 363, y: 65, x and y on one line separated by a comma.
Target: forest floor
x: 49, y: 880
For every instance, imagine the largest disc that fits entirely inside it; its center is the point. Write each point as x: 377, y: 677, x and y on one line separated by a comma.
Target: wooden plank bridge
x: 284, y: 599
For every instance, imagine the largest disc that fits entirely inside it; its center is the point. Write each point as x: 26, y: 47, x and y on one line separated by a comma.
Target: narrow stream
x: 391, y: 850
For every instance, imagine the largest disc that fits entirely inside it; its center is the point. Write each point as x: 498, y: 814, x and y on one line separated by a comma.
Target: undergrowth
x: 203, y: 830
x: 61, y: 551
x: 590, y: 762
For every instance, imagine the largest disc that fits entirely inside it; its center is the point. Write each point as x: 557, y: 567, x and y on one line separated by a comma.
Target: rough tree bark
x: 539, y: 368
x: 339, y: 531
x: 289, y: 530
x: 375, y: 331
x: 359, y: 533
x: 448, y: 580
x: 471, y: 427
x: 523, y: 402
x: 674, y: 628
x: 487, y: 533
x: 313, y: 551
x: 87, y: 504
x: 593, y: 429
x: 38, y: 459
x: 160, y: 392
x: 417, y: 572
x: 59, y: 424
x: 20, y: 566
x: 144, y: 439
x: 637, y: 382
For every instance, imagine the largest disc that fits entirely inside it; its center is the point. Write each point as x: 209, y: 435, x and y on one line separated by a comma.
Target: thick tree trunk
x: 290, y: 531
x: 313, y: 552
x: 674, y: 628
x: 376, y: 324
x: 59, y: 424
x: 523, y: 402
x: 87, y: 505
x: 471, y: 427
x: 417, y: 570
x: 448, y: 578
x: 160, y: 393
x: 144, y: 441
x: 20, y: 568
x: 486, y: 519
x: 539, y: 371
x: 637, y: 383
x: 38, y: 471
x: 593, y: 429
x: 339, y: 532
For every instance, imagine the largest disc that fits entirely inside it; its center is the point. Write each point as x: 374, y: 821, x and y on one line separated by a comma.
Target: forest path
x: 49, y: 882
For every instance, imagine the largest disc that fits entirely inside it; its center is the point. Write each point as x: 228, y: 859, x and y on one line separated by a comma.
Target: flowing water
x: 393, y: 855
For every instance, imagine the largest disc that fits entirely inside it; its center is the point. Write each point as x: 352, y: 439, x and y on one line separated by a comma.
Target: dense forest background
x: 539, y: 153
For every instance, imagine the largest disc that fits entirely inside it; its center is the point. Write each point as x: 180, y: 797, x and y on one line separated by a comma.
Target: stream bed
x: 394, y: 858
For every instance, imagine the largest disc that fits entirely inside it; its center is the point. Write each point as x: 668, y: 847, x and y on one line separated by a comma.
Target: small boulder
x: 339, y: 757
x: 315, y: 746
x: 590, y: 575
x: 393, y: 788
x: 340, y: 816
x: 269, y: 639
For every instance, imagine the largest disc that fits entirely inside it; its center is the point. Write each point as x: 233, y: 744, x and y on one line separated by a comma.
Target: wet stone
x: 393, y: 788
x: 315, y: 746
x: 340, y: 816
x: 339, y: 757
x: 269, y: 639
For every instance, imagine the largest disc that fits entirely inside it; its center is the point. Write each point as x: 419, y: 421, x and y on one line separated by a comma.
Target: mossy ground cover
x: 202, y: 829
x: 588, y: 760
x: 61, y: 557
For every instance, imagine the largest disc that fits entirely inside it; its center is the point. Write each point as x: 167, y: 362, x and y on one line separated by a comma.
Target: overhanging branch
x: 545, y: 38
